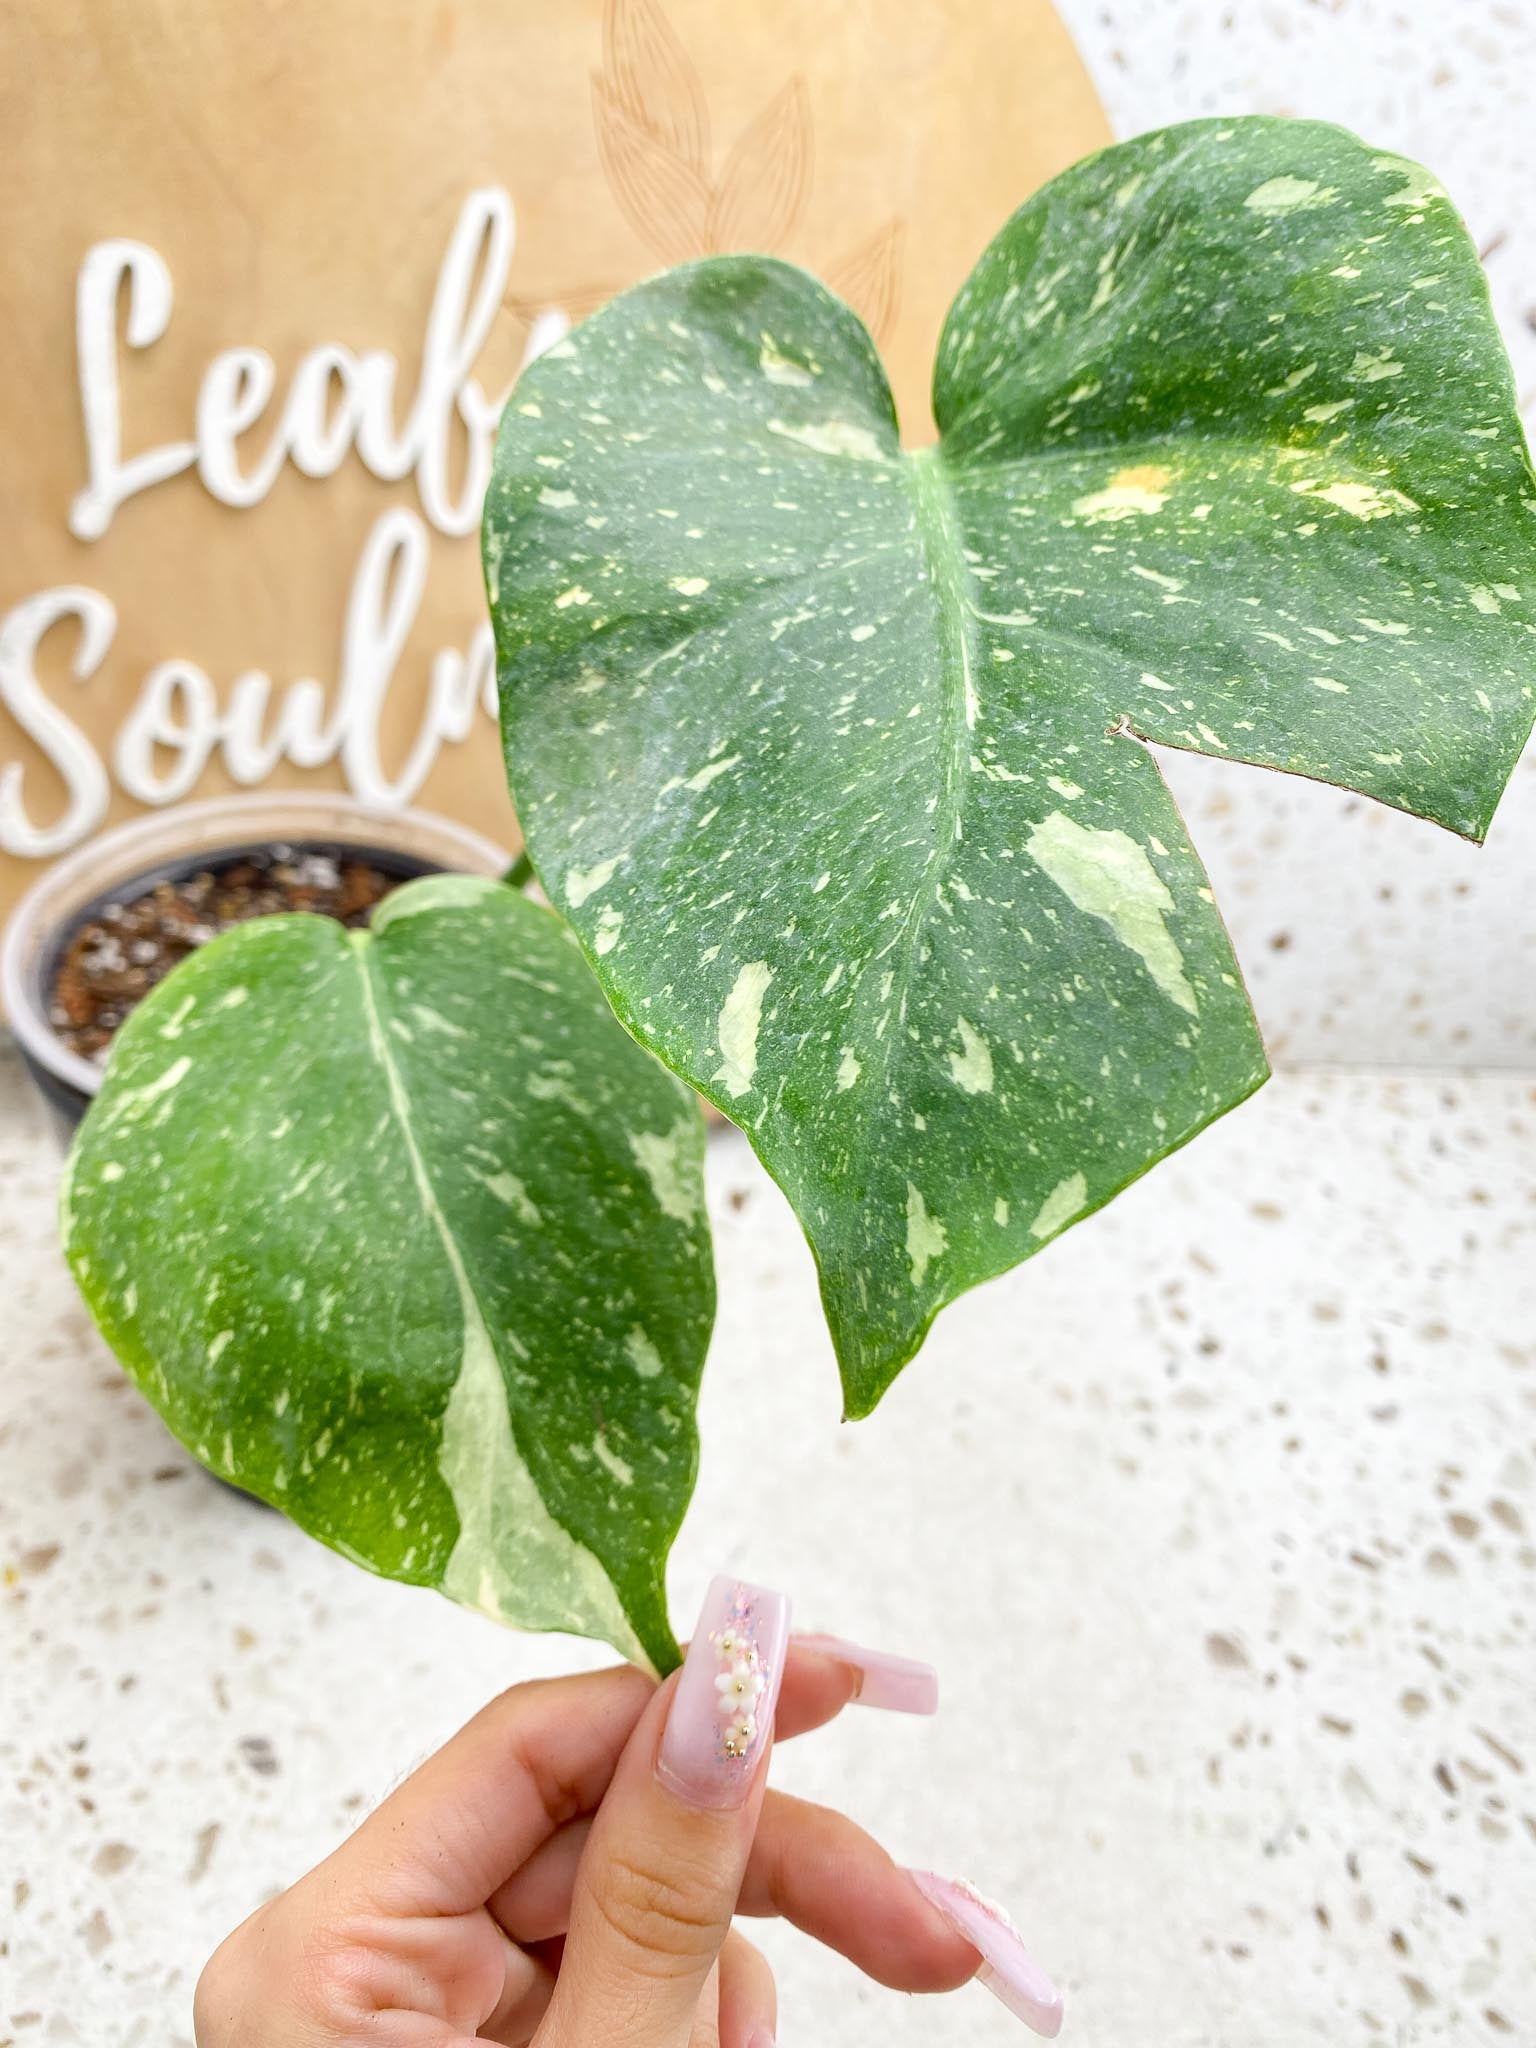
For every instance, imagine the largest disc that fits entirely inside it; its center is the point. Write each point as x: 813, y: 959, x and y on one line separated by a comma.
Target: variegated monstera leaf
x: 830, y: 752
x: 400, y: 1231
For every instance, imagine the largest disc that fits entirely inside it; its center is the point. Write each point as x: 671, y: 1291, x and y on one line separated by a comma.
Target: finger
x: 824, y: 1674
x: 749, y: 2000
x: 816, y: 1690
x: 663, y: 1864
x: 808, y: 1865
x: 524, y: 2001
x: 899, y: 1685
x: 706, y: 2016
x: 822, y: 1872
x: 420, y: 2010
x: 462, y: 1966
x: 537, y: 1754
x: 457, y: 1828
x: 535, y: 1902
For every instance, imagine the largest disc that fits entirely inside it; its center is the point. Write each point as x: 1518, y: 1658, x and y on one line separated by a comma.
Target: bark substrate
x: 117, y: 952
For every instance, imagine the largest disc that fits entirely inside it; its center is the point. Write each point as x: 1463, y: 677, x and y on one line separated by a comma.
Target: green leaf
x: 829, y: 752
x: 400, y: 1231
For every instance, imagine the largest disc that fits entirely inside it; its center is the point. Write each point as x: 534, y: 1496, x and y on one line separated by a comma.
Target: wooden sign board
x: 271, y: 274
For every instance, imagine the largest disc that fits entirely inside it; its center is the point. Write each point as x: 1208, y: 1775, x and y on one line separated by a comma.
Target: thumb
x: 663, y: 1865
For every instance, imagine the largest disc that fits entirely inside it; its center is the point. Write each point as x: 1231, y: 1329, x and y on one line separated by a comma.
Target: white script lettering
x: 337, y: 400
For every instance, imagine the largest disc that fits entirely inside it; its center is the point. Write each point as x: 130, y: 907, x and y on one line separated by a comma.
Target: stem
x: 520, y: 874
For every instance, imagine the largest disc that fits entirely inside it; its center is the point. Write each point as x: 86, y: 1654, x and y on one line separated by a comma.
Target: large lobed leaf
x: 400, y: 1231
x: 828, y: 752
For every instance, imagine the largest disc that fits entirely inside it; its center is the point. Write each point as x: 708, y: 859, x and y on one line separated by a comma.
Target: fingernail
x: 722, y: 1710
x: 761, y: 2038
x: 1008, y: 1970
x: 899, y: 1685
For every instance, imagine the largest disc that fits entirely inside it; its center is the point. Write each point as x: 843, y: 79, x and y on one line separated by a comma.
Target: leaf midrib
x: 364, y: 948
x: 938, y: 528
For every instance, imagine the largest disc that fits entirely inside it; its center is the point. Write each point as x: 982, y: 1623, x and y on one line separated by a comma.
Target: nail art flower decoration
x: 739, y: 1685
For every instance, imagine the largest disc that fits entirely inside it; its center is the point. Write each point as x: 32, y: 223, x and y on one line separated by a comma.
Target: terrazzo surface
x: 1218, y: 1519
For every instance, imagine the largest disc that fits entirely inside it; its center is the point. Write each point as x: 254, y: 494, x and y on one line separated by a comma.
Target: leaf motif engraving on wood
x: 662, y: 196
x: 655, y: 80
x: 767, y: 175
x: 869, y: 278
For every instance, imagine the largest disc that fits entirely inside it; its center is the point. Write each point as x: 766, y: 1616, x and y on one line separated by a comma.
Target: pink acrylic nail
x: 899, y: 1685
x: 1008, y: 1970
x: 722, y: 1710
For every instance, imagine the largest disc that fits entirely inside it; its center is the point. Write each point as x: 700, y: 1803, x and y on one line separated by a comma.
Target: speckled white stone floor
x: 1219, y: 1519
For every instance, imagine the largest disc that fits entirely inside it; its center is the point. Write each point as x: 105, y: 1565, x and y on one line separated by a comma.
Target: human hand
x: 565, y: 1870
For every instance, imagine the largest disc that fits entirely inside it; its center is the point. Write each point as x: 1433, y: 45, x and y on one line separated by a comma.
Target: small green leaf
x: 400, y: 1231
x: 828, y: 752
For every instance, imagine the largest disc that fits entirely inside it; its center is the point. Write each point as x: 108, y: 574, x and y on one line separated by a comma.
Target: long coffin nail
x: 722, y: 1710
x: 1008, y: 1970
x: 900, y: 1685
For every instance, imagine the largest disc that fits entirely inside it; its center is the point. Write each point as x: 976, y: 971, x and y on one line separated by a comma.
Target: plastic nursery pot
x: 175, y: 846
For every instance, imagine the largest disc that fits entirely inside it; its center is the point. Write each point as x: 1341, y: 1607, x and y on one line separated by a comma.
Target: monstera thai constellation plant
x: 829, y: 758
